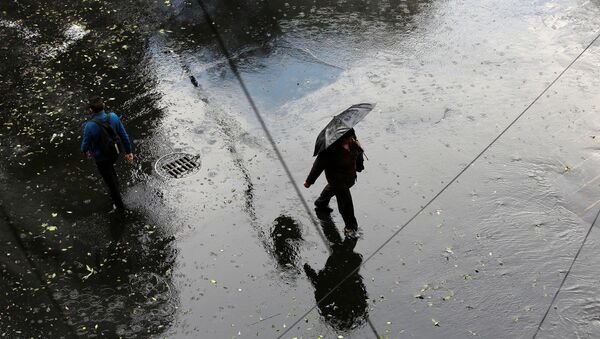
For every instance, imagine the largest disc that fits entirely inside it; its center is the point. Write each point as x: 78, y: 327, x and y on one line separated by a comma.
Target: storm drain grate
x: 177, y: 165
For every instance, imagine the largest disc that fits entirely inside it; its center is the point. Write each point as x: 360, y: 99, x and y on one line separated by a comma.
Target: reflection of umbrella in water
x: 340, y: 124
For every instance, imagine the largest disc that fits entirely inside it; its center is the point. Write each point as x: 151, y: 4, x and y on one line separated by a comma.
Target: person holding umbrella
x: 340, y: 155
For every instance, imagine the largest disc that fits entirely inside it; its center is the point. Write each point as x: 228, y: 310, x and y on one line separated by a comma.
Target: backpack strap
x: 106, y: 126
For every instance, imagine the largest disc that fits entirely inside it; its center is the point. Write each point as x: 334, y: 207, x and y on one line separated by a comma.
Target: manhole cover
x: 177, y: 165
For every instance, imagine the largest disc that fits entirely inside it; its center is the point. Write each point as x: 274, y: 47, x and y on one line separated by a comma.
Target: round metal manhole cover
x: 177, y: 165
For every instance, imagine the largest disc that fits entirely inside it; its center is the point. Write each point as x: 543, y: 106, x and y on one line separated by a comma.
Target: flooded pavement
x: 229, y: 251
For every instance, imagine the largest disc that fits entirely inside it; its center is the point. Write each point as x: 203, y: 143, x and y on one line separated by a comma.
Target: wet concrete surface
x: 230, y: 251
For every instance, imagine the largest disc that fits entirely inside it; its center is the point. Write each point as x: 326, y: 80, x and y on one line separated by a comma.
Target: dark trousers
x: 107, y: 170
x: 344, y: 201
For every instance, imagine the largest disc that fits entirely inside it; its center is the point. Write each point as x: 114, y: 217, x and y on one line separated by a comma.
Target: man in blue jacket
x: 90, y: 146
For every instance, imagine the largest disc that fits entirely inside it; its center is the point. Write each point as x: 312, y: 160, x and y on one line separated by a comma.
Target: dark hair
x: 350, y: 134
x: 96, y: 103
x: 347, y: 135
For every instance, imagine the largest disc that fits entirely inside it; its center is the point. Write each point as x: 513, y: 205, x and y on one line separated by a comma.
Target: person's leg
x: 107, y: 170
x: 322, y: 201
x: 346, y: 208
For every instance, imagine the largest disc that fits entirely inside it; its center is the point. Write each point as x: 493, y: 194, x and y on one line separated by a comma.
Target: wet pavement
x: 230, y: 251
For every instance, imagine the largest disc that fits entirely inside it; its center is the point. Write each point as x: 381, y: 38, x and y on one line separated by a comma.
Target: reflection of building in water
x: 286, y: 236
x: 344, y: 307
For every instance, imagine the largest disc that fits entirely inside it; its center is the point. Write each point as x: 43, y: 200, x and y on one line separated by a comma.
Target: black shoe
x: 323, y: 216
x: 325, y: 209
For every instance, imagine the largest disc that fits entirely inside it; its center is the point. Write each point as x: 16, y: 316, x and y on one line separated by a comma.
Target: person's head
x: 96, y: 104
x: 348, y: 136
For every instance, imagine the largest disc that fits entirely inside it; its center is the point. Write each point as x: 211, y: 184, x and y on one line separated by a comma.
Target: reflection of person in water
x: 346, y: 306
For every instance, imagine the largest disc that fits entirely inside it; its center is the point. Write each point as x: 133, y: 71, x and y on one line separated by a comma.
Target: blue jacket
x: 91, y: 135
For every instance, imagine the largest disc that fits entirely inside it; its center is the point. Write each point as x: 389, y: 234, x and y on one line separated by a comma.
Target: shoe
x: 325, y: 209
x: 351, y: 233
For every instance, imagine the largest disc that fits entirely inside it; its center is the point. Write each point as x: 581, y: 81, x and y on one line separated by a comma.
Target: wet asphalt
x: 230, y: 251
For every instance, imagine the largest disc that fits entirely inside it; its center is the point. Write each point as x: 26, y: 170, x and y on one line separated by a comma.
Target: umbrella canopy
x: 340, y: 124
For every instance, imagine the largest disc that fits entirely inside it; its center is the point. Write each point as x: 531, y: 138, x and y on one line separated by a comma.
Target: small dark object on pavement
x: 194, y: 81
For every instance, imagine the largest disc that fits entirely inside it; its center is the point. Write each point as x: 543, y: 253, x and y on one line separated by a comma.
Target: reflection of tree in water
x: 249, y: 28
x: 346, y: 307
x: 286, y: 236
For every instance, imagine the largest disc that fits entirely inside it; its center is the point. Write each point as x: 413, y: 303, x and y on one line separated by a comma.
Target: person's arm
x: 124, y: 138
x: 85, y: 141
x: 357, y: 145
x: 123, y: 134
x: 317, y: 169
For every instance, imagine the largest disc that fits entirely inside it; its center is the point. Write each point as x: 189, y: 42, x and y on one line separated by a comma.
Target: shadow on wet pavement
x: 343, y: 306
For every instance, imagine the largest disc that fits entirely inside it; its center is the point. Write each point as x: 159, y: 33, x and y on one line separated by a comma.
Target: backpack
x: 110, y: 143
x: 360, y: 157
x: 360, y: 161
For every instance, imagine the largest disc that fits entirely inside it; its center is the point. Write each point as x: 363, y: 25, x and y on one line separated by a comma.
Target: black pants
x: 344, y: 201
x: 107, y: 170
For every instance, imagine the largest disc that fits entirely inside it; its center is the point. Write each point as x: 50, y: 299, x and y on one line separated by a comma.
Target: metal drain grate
x: 177, y: 165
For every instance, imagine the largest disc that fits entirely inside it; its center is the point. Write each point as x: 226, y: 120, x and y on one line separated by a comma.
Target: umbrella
x: 340, y: 124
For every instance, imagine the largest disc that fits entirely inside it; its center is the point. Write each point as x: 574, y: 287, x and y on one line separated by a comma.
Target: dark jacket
x: 91, y: 135
x: 339, y: 165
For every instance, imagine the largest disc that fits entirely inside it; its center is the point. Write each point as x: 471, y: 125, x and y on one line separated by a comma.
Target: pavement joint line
x: 267, y: 318
x: 236, y: 72
x: 587, y: 183
x: 565, y: 276
x: 591, y: 205
x: 517, y: 118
